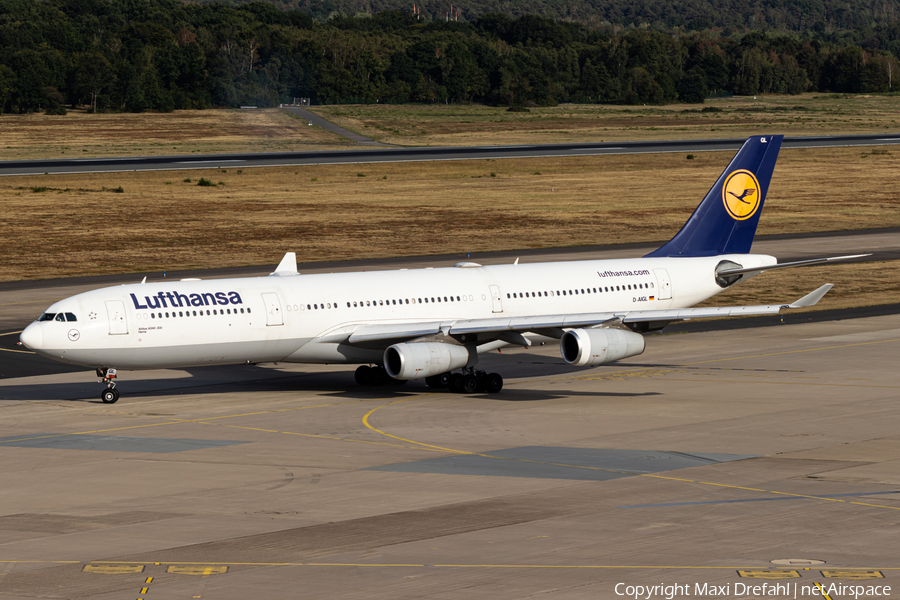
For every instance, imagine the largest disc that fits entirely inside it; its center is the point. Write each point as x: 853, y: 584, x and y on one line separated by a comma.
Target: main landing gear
x: 468, y: 382
x: 366, y: 375
x: 110, y: 394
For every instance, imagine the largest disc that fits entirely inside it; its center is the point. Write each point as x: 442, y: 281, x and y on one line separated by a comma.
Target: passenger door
x: 495, y: 299
x: 115, y: 310
x: 273, y: 309
x: 664, y: 291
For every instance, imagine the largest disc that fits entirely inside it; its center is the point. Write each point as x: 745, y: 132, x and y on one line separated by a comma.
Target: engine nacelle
x: 423, y: 359
x: 587, y: 347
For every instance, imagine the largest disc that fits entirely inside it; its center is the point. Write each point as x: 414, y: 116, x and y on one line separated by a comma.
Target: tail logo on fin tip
x: 740, y: 194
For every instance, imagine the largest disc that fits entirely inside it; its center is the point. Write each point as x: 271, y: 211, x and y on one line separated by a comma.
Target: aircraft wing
x: 394, y: 332
x: 725, y: 311
x: 391, y: 333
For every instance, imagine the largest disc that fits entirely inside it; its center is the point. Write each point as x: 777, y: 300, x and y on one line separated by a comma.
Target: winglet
x: 811, y: 298
x: 287, y: 266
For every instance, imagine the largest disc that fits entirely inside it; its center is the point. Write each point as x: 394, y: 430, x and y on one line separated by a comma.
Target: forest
x: 162, y: 55
x: 857, y: 21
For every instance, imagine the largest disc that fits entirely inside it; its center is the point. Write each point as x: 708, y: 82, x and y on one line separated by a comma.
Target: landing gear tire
x: 456, y: 383
x: 493, y: 383
x: 366, y: 375
x: 110, y: 394
x: 438, y: 381
x: 362, y: 375
x: 469, y: 384
x: 378, y: 376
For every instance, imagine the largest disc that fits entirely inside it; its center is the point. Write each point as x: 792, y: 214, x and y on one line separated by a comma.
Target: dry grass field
x: 473, y: 125
x: 80, y: 134
x: 70, y: 225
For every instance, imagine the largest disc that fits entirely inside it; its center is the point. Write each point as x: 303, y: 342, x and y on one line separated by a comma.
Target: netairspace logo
x: 788, y: 590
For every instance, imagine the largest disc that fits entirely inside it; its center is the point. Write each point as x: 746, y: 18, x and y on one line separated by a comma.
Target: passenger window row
x: 390, y: 302
x: 437, y: 299
x: 196, y: 313
x: 575, y: 292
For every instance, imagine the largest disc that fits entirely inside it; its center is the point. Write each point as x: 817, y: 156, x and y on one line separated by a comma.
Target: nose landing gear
x: 110, y: 394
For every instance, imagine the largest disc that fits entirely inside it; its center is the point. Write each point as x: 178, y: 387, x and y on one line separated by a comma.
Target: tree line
x: 136, y: 55
x: 859, y: 21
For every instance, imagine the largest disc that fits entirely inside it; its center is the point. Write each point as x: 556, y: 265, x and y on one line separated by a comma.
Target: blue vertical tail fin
x: 725, y: 222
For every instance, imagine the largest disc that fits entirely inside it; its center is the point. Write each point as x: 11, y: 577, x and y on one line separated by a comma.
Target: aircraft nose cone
x: 32, y: 337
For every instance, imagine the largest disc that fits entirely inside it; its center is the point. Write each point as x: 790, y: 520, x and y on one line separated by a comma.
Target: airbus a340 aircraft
x: 428, y: 323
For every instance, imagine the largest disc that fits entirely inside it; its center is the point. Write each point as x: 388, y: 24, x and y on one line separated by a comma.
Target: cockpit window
x: 60, y: 317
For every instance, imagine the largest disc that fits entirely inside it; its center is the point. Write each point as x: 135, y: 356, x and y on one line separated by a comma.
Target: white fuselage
x: 297, y: 318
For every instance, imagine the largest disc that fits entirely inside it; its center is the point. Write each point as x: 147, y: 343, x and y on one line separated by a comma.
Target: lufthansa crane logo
x: 741, y: 194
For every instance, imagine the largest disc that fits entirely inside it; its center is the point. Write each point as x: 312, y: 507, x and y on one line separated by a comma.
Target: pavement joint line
x: 365, y: 421
x: 59, y: 435
x: 450, y: 565
x: 888, y: 387
x: 295, y: 408
x: 263, y: 412
x: 171, y: 421
x: 42, y: 562
x: 742, y: 500
x: 731, y: 486
x: 313, y: 435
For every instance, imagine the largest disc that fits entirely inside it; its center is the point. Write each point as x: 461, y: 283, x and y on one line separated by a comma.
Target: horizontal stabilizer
x: 799, y: 263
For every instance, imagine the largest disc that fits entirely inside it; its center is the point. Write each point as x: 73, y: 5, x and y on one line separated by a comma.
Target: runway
x: 393, y: 154
x: 721, y: 459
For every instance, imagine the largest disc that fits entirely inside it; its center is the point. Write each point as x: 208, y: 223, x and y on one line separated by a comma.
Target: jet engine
x: 423, y: 359
x: 588, y: 347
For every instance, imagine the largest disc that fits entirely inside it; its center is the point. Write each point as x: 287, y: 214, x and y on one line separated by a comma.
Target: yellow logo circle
x: 740, y: 193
